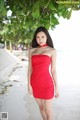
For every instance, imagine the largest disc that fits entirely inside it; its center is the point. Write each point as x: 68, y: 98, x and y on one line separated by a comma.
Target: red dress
x: 41, y: 80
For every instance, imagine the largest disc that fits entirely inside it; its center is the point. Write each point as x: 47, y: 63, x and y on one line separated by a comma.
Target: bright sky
x: 9, y: 13
x: 66, y: 38
x: 66, y: 35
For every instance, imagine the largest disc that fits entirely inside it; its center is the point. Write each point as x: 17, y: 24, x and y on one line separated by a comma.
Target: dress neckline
x: 41, y: 55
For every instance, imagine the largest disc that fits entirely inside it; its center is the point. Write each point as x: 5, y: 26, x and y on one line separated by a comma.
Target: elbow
x: 30, y: 70
x: 53, y: 72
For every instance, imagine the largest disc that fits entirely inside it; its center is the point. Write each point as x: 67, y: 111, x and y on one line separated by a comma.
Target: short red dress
x: 41, y: 80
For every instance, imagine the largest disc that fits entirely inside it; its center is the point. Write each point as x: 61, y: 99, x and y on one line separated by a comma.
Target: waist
x: 40, y: 70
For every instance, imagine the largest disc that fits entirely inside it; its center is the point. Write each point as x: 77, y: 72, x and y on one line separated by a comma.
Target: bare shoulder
x: 32, y: 50
x: 52, y: 51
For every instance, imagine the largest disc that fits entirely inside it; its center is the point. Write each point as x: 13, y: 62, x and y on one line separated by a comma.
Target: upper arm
x: 30, y: 52
x: 29, y: 58
x: 53, y: 61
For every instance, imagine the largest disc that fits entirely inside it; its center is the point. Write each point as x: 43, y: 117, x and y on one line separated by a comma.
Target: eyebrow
x: 41, y: 36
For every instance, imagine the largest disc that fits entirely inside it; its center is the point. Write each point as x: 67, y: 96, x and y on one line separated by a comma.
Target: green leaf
x: 2, y: 8
x: 1, y: 5
x: 47, y: 25
x: 36, y: 10
x: 51, y: 5
x: 43, y: 3
x: 69, y: 14
x: 54, y: 20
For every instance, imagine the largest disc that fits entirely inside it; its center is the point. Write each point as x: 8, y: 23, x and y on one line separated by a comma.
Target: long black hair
x: 49, y: 40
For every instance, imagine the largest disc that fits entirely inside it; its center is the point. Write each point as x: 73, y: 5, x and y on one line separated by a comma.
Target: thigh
x: 40, y: 102
x: 48, y: 104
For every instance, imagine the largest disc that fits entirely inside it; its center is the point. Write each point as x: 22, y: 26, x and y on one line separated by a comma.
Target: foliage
x: 27, y: 15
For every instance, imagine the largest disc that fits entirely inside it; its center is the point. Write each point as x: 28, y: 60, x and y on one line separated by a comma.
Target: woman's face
x: 41, y: 38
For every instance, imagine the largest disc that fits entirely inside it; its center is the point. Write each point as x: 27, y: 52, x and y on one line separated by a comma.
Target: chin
x: 42, y: 44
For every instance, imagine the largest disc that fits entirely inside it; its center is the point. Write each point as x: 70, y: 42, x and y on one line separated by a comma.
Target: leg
x: 41, y: 107
x: 48, y: 109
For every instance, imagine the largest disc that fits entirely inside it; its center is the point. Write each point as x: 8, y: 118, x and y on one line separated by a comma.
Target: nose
x: 40, y: 40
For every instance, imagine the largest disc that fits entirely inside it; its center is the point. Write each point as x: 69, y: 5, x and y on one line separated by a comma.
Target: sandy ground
x: 15, y: 100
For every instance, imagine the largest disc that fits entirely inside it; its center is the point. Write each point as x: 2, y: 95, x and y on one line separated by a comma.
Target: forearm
x: 55, y: 85
x: 54, y: 76
x: 29, y: 84
x: 29, y: 75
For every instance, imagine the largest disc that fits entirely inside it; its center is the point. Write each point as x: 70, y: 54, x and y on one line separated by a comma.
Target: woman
x: 42, y: 79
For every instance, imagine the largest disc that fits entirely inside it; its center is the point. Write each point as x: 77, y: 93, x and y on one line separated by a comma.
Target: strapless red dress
x: 41, y: 80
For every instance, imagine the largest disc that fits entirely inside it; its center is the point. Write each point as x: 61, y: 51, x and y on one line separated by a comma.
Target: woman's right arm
x: 29, y: 72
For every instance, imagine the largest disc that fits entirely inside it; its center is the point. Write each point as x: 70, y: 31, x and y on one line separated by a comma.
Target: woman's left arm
x: 53, y: 72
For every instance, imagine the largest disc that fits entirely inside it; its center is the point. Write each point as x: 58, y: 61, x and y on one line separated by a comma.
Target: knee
x: 48, y: 112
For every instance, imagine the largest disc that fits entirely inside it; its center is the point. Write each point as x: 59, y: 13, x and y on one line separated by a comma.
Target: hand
x: 56, y: 93
x: 30, y: 90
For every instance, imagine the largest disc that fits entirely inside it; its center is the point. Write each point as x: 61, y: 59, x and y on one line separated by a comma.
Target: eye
x: 37, y: 37
x: 42, y: 36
